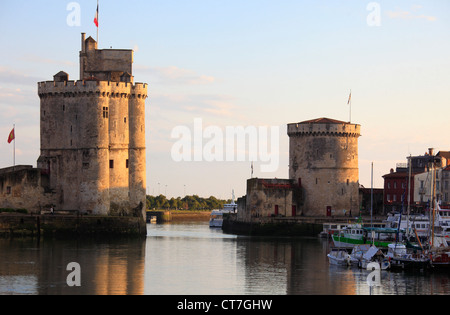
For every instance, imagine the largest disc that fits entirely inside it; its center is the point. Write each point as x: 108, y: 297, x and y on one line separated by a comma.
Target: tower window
x: 8, y: 190
x: 105, y: 112
x: 125, y: 119
x: 111, y: 163
x: 126, y: 163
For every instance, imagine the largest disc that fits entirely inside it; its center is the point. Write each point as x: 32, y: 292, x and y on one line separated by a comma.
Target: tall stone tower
x: 93, y: 134
x: 324, y: 161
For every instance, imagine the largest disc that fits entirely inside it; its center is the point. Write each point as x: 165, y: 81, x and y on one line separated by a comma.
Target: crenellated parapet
x: 91, y: 88
x: 340, y: 129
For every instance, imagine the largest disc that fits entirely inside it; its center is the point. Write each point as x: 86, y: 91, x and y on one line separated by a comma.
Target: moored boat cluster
x: 393, y: 245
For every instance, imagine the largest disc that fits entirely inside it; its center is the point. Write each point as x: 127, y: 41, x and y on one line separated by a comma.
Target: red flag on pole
x: 96, y: 17
x: 11, y: 136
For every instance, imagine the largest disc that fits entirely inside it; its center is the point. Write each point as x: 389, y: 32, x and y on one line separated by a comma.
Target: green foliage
x: 187, y: 203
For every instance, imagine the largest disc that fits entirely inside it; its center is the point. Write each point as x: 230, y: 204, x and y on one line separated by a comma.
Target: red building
x: 396, y: 191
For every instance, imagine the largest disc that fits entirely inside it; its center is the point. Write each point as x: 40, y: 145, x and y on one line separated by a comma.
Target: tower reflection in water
x: 107, y: 267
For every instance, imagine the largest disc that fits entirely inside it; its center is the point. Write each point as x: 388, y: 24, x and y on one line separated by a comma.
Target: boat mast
x: 371, y: 205
x: 433, y: 200
x: 409, y: 199
x: 431, y: 217
x: 371, y: 197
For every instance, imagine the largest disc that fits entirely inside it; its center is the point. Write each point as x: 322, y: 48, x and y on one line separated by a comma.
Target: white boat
x: 419, y: 224
x: 358, y: 252
x: 216, y: 217
x: 374, y: 254
x: 329, y: 229
x: 442, y: 222
x: 339, y: 257
x: 153, y: 219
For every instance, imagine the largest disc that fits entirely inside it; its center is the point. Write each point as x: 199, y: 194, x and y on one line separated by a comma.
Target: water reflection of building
x: 107, y: 268
x: 292, y: 267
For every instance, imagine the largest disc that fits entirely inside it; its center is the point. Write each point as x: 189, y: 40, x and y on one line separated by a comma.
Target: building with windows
x: 92, y: 141
x: 428, y: 178
x: 433, y: 183
x: 395, y: 197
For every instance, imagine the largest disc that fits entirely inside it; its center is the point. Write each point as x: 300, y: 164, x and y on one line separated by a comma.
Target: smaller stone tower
x: 324, y: 162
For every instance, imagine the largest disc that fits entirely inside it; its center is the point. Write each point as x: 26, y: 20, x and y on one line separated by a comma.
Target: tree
x: 193, y: 202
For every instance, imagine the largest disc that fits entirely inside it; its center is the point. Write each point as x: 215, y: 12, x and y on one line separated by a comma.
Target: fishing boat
x: 355, y: 234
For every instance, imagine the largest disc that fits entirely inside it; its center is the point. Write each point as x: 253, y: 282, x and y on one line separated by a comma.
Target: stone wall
x: 25, y: 187
x: 268, y: 197
x: 71, y: 226
x: 104, y: 64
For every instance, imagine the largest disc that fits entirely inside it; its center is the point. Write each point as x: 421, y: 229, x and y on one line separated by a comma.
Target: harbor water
x: 193, y: 259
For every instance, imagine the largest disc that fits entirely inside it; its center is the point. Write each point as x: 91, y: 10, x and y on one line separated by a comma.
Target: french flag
x: 96, y: 17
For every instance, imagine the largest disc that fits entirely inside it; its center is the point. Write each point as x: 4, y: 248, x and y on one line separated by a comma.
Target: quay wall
x: 272, y: 228
x: 161, y: 216
x: 70, y: 225
x: 178, y: 216
x: 282, y: 226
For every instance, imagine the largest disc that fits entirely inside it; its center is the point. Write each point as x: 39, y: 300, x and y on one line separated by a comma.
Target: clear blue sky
x: 244, y: 63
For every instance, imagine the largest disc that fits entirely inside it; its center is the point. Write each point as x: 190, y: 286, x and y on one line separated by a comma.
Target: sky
x: 216, y: 65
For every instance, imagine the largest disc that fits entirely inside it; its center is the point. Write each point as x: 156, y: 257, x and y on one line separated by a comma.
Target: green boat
x: 357, y: 235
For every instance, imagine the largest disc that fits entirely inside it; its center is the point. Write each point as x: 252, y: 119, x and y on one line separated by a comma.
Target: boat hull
x: 216, y: 224
x: 339, y: 261
x: 403, y: 264
x: 351, y: 242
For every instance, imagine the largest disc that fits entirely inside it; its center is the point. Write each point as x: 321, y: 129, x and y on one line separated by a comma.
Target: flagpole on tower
x: 96, y: 22
x: 12, y: 137
x: 97, y: 25
x: 14, y: 148
x: 350, y: 110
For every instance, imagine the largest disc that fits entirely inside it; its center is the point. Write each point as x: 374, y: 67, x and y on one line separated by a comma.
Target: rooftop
x: 323, y: 120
